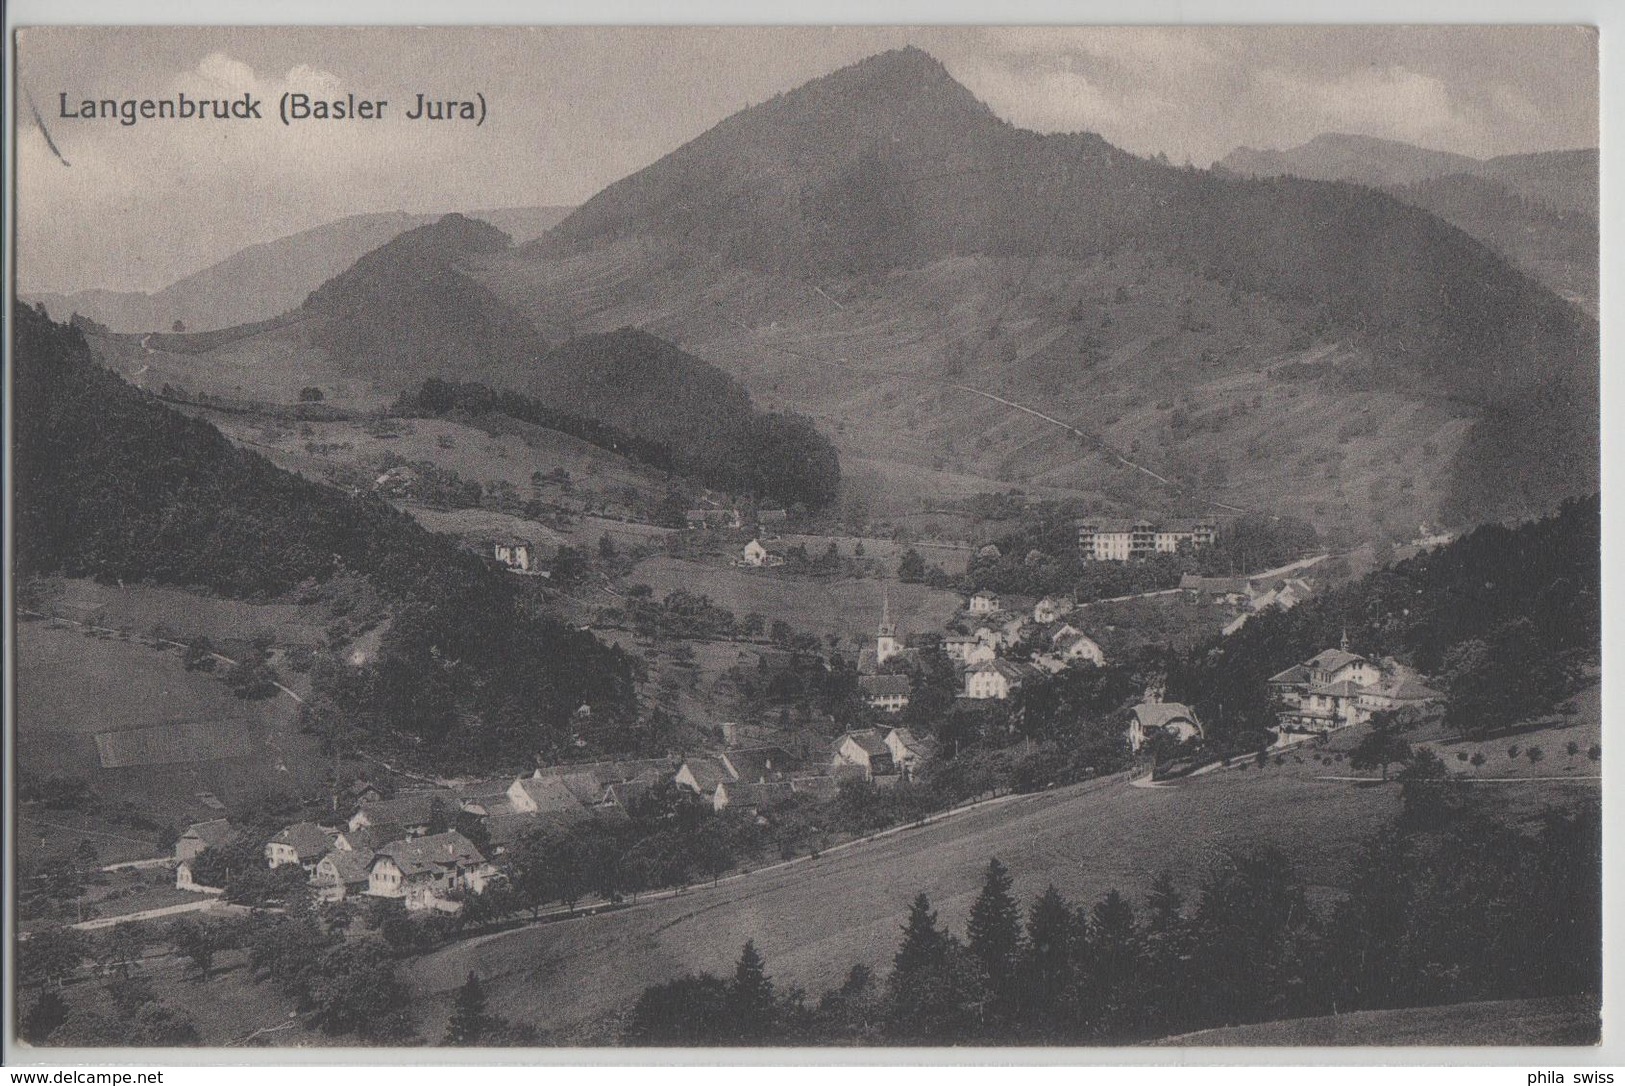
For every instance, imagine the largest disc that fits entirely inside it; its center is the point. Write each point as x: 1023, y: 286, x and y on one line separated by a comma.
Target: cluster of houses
x: 406, y: 848
x: 988, y: 628
x: 1338, y: 688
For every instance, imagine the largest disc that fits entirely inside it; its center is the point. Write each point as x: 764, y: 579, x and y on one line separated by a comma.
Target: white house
x: 425, y: 871
x: 888, y: 693
x: 983, y: 603
x: 1337, y: 688
x: 967, y: 648
x: 995, y: 679
x: 1078, y: 648
x: 755, y: 555
x: 1154, y: 718
x: 515, y: 554
x: 866, y: 749
x: 185, y: 881
x: 302, y: 843
x: 530, y: 795
x: 907, y: 751
x: 341, y: 874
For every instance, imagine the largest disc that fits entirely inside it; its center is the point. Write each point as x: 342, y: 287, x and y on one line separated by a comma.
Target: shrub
x: 1512, y: 751
x: 1478, y: 758
x: 1535, y: 754
x: 1573, y: 748
x: 1595, y: 753
x: 1461, y: 756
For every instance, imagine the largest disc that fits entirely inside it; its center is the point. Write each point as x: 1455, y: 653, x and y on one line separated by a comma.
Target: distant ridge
x: 267, y: 279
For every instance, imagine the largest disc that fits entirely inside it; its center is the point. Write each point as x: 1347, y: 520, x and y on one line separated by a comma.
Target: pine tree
x: 923, y: 942
x: 751, y: 997
x: 994, y: 935
x: 1115, y: 956
x: 1047, y: 973
x: 468, y: 1022
x: 1163, y: 991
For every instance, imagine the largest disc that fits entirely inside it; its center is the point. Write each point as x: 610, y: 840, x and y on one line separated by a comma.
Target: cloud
x: 1390, y: 101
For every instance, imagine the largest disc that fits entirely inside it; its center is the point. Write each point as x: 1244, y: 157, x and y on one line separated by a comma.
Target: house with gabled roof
x: 413, y: 811
x: 754, y: 765
x: 995, y: 679
x: 701, y: 774
x: 302, y: 843
x: 888, y: 693
x: 864, y: 749
x: 909, y: 751
x: 529, y: 795
x: 751, y: 797
x: 426, y: 871
x: 340, y: 874
x: 215, y: 833
x: 1337, y: 688
x: 983, y: 602
x: 1152, y: 718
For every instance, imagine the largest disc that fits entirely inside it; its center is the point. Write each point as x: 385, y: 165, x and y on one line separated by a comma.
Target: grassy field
x: 141, y: 608
x: 814, y: 919
x: 848, y: 607
x: 72, y: 686
x: 1570, y: 1020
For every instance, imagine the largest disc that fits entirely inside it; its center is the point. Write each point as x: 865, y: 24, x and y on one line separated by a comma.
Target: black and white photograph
x: 564, y: 538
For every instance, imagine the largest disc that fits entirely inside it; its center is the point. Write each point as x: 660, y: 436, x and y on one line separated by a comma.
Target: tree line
x: 1445, y: 905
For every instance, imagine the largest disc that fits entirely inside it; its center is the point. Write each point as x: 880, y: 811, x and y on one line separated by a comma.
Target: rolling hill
x: 265, y: 280
x: 877, y: 248
x: 944, y: 293
x: 1539, y: 210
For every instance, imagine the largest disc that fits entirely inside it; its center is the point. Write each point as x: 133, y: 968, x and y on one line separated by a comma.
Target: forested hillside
x: 114, y: 485
x: 1507, y: 617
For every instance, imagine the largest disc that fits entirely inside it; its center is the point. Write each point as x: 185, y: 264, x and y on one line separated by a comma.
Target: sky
x: 570, y: 110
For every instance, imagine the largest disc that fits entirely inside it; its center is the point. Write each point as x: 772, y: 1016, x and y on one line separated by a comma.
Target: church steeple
x: 886, y: 644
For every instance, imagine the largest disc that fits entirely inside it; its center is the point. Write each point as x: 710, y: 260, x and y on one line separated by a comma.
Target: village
x: 433, y: 848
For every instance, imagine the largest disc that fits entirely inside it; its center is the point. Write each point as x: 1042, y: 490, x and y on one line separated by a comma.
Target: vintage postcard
x: 578, y: 537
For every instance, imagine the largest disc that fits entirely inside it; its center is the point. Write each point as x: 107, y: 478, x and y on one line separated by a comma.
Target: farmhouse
x: 1197, y: 589
x: 529, y: 795
x: 215, y: 833
x: 184, y: 880
x: 426, y: 870
x: 412, y: 811
x: 888, y: 693
x: 907, y: 751
x: 865, y: 749
x: 516, y: 554
x: 750, y: 797
x: 302, y: 843
x: 341, y: 874
x: 758, y: 764
x: 995, y: 679
x: 702, y: 774
x: 1153, y: 718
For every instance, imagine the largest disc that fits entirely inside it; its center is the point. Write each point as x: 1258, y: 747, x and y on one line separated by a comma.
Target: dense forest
x: 1506, y: 618
x: 112, y: 484
x: 779, y: 458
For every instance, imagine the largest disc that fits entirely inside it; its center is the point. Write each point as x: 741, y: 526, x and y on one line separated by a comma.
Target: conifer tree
x: 468, y: 1022
x: 994, y: 935
x: 1047, y: 973
x: 751, y: 996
